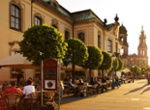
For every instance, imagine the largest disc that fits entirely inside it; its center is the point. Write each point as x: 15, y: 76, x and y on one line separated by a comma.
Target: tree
x: 95, y: 58
x: 107, y: 62
x: 136, y: 70
x: 120, y: 64
x: 41, y: 42
x: 115, y: 64
x: 76, y: 54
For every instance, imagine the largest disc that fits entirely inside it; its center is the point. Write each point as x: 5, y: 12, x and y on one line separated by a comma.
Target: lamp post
x: 41, y: 79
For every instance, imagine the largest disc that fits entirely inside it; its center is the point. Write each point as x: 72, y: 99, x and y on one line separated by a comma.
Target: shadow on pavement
x: 69, y: 99
x: 136, y: 89
x: 145, y: 90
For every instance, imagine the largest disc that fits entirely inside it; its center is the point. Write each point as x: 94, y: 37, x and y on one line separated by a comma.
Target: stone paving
x: 131, y: 96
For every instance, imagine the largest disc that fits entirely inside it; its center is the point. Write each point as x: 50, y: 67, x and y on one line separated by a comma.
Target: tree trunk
x: 73, y: 70
x: 73, y: 67
x: 102, y: 74
x: 90, y: 71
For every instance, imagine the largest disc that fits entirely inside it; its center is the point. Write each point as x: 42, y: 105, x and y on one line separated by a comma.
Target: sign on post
x: 50, y: 74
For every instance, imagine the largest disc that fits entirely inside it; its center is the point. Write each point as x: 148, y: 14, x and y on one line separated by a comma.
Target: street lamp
x: 41, y: 79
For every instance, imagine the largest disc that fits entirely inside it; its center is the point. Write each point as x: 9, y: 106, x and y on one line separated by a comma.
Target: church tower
x: 142, y: 48
x: 123, y: 40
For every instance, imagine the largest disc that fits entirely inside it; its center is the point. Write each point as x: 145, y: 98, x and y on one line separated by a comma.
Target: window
x: 109, y: 46
x: 14, y: 47
x: 55, y: 26
x: 55, y: 23
x: 143, y: 53
x: 122, y: 51
x: 67, y: 35
x: 99, y: 41
x: 81, y: 36
x: 15, y: 17
x: 37, y: 20
x: 122, y: 39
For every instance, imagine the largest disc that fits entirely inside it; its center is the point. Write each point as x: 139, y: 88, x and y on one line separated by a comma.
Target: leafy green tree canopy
x: 120, y: 66
x: 95, y: 58
x: 41, y: 42
x: 115, y: 64
x: 135, y: 69
x: 77, y: 52
x: 107, y: 61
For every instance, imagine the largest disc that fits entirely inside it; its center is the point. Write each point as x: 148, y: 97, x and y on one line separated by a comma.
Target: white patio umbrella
x: 125, y: 70
x: 69, y: 68
x: 17, y: 61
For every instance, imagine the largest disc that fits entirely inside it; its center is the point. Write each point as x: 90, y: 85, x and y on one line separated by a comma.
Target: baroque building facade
x: 140, y: 59
x: 19, y: 15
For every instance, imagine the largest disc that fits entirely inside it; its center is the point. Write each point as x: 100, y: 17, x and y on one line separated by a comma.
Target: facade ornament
x: 116, y: 18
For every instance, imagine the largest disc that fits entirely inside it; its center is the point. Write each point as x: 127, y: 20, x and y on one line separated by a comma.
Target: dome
x: 122, y: 29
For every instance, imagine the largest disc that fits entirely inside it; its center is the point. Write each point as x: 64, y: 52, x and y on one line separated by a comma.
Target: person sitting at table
x: 81, y: 82
x: 12, y: 90
x: 71, y: 85
x: 104, y: 84
x: 29, y: 90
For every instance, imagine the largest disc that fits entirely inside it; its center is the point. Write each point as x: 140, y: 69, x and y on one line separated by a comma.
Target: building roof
x: 56, y: 8
x: 85, y: 15
x: 76, y: 17
x: 110, y: 26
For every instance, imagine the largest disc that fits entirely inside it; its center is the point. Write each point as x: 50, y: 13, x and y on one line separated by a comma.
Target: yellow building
x: 19, y: 15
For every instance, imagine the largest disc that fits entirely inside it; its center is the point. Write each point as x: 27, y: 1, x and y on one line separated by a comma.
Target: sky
x: 133, y: 14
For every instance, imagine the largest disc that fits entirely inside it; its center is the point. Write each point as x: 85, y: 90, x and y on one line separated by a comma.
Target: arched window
x: 109, y: 46
x: 37, y: 20
x: 122, y: 51
x: 99, y: 41
x: 67, y: 35
x: 15, y: 17
x: 55, y: 23
x: 143, y: 53
x: 81, y: 36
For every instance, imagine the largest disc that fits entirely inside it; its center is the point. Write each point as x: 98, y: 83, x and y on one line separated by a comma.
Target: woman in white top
x: 29, y: 89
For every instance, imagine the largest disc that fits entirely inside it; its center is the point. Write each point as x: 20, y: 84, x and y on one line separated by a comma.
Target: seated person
x: 81, y: 82
x: 12, y: 90
x: 29, y: 90
x: 104, y: 84
x: 71, y: 85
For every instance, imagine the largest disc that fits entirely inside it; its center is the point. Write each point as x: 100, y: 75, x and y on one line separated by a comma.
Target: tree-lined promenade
x: 44, y: 42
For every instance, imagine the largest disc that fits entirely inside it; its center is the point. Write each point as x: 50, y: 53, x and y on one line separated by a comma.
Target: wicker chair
x: 30, y: 102
x: 12, y: 101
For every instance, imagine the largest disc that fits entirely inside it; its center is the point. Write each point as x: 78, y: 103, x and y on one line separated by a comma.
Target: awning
x: 17, y: 61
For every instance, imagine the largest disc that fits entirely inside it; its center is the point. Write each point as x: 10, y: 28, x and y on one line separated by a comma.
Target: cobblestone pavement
x: 131, y: 96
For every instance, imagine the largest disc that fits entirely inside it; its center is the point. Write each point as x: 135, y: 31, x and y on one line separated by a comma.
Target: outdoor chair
x: 12, y: 101
x: 30, y: 103
x: 82, y: 90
